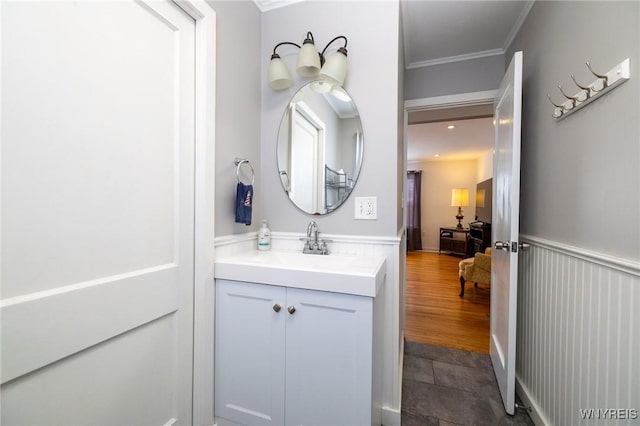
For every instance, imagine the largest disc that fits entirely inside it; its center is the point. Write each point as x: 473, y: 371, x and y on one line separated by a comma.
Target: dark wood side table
x: 454, y: 240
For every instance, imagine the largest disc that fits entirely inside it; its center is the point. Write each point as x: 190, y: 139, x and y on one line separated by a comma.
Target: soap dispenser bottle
x: 264, y: 237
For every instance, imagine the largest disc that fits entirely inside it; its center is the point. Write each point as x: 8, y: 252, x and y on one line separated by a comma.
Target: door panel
x: 97, y: 212
x: 108, y: 381
x: 250, y: 354
x: 329, y: 344
x: 89, y: 138
x: 505, y: 229
x: 304, y: 173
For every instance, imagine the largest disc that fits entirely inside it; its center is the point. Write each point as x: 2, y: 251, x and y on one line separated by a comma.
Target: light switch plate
x: 366, y: 208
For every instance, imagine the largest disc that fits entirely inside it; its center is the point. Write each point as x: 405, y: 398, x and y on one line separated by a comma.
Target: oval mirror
x: 320, y: 147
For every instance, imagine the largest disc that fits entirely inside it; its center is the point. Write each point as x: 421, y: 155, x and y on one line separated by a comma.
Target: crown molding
x: 267, y: 5
x: 457, y: 58
x: 519, y: 22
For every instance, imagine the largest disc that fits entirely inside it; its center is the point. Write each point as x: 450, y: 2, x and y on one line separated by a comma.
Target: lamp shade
x: 459, y: 197
x: 335, y: 68
x: 308, y: 64
x: 278, y: 74
x: 321, y: 86
x: 480, y: 197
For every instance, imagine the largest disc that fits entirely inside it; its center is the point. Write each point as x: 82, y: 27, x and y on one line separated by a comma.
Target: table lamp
x: 459, y: 198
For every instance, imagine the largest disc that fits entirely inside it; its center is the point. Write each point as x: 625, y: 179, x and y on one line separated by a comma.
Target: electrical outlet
x: 366, y: 208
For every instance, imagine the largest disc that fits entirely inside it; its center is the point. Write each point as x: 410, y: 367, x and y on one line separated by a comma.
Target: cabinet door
x: 250, y: 353
x: 329, y: 366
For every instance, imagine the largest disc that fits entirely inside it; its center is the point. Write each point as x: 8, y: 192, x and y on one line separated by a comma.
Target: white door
x: 505, y: 228
x: 97, y: 237
x: 307, y: 176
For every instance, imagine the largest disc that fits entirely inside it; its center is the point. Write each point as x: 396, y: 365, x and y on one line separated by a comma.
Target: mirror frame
x: 340, y: 180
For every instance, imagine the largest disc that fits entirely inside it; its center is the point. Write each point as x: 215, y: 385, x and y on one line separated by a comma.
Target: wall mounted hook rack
x: 603, y: 83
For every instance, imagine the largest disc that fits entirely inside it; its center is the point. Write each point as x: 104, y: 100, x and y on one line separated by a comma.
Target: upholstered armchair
x: 475, y: 269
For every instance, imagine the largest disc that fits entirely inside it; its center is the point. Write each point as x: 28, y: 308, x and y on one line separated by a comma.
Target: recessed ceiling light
x: 437, y: 155
x: 451, y: 126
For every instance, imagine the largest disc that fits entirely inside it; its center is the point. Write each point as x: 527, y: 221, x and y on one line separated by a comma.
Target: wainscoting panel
x: 578, y: 344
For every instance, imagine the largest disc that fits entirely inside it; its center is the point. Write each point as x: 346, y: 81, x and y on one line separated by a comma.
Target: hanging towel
x: 244, y: 199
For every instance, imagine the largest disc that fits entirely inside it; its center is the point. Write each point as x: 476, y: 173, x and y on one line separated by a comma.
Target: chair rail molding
x: 621, y: 264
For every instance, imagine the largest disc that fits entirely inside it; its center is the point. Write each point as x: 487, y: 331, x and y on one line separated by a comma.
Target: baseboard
x: 525, y: 396
x: 430, y: 249
x: 391, y: 417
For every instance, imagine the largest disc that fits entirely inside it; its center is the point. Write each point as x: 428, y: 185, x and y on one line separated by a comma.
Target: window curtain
x: 414, y: 230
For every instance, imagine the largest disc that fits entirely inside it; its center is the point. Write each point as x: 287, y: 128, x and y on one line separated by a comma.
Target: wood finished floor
x: 435, y: 314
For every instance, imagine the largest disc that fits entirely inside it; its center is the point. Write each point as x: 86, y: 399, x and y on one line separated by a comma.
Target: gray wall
x: 580, y: 177
x: 473, y: 75
x: 372, y: 31
x: 237, y: 107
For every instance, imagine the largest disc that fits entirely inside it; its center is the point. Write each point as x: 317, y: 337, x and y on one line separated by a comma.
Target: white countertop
x: 357, y: 275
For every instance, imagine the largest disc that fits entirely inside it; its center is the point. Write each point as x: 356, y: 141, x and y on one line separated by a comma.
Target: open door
x: 506, y: 210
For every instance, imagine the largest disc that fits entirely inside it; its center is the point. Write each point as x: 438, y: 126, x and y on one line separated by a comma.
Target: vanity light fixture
x: 310, y: 63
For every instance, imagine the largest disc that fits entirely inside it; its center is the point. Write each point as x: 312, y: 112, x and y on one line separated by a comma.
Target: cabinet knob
x: 277, y: 307
x: 291, y: 309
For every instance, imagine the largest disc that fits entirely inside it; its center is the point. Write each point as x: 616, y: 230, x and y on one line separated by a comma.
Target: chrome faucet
x: 312, y: 231
x: 312, y: 244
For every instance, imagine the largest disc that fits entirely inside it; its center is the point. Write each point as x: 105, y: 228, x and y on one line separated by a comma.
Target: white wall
x: 438, y: 178
x: 372, y: 32
x: 474, y: 75
x: 238, y: 113
x: 485, y: 166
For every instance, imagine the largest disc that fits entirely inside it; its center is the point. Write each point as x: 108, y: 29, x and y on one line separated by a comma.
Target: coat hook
x: 602, y: 84
x: 587, y: 90
x: 604, y: 78
x: 573, y: 99
x: 558, y: 111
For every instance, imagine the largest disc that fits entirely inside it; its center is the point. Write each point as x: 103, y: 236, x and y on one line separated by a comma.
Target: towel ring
x: 239, y: 162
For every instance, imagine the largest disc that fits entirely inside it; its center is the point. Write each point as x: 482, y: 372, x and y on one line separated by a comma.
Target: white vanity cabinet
x: 291, y: 356
x: 249, y: 353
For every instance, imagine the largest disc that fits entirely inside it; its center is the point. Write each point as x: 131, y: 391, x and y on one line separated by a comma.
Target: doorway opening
x: 450, y: 140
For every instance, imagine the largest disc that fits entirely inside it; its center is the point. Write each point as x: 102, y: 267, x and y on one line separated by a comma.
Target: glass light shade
x: 321, y: 86
x: 459, y: 197
x: 308, y: 64
x: 279, y: 76
x: 335, y: 68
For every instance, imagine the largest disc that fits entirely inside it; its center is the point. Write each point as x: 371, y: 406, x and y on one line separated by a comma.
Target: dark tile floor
x: 449, y: 387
